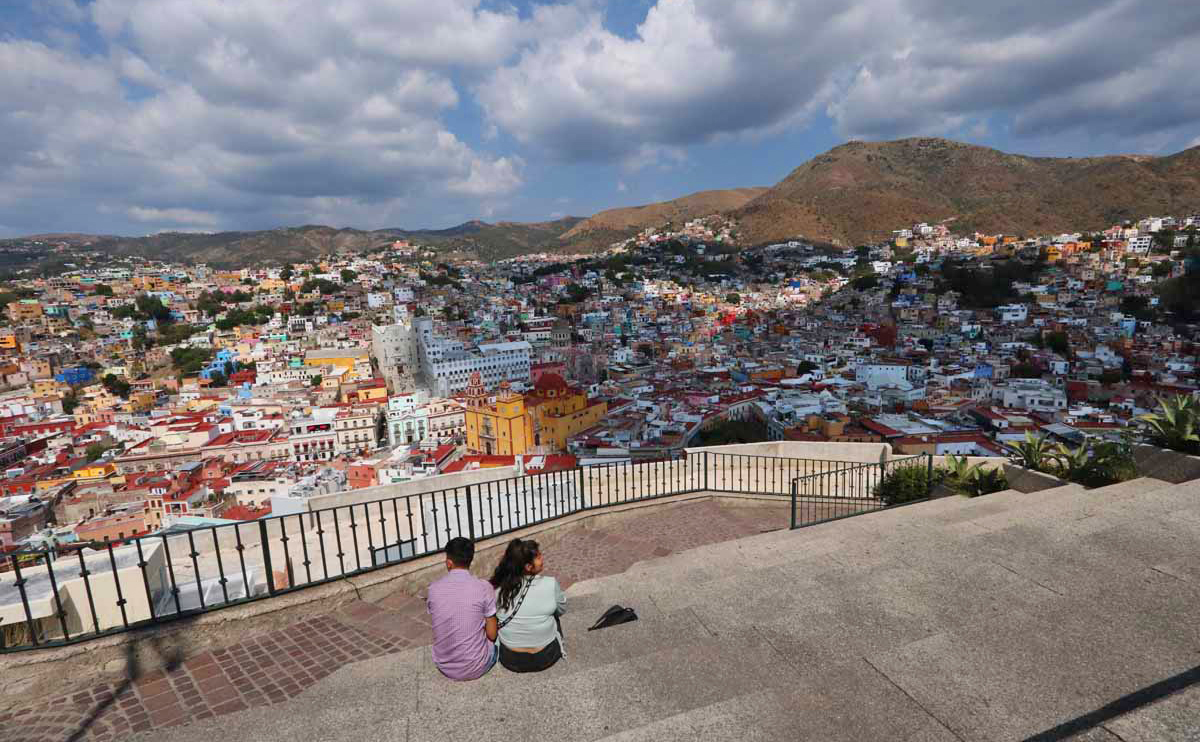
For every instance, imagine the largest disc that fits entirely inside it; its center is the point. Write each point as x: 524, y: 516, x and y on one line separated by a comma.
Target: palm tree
x: 1175, y: 424
x: 1033, y: 453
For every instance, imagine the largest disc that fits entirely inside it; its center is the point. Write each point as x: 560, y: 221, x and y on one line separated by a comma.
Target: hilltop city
x: 142, y: 397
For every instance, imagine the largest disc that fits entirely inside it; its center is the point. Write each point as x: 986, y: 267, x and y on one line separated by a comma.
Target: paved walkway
x: 277, y: 666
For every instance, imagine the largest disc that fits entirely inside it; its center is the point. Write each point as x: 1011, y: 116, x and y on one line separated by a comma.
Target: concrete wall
x: 416, y: 486
x: 1169, y: 466
x: 988, y: 462
x: 866, y: 453
x: 1027, y: 480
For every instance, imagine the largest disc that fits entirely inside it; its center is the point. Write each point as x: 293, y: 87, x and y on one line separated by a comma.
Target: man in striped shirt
x: 463, y: 611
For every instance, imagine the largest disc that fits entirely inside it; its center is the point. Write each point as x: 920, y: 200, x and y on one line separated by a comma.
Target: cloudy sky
x: 137, y: 116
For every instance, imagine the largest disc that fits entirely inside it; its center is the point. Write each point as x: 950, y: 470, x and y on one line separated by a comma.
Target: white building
x: 1012, y: 312
x: 1139, y: 245
x: 394, y: 348
x: 1035, y: 395
x: 875, y: 375
x: 448, y: 364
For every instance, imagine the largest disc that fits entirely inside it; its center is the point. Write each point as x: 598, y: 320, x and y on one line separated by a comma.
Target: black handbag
x: 615, y: 616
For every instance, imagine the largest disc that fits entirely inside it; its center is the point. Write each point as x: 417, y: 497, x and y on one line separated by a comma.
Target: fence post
x: 795, y: 492
x: 470, y: 515
x: 706, y: 471
x: 582, y: 489
x: 266, y: 551
x: 928, y: 474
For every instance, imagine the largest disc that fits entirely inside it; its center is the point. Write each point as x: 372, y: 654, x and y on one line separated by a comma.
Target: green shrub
x: 1107, y: 463
x: 1176, y: 424
x: 972, y: 480
x: 908, y: 482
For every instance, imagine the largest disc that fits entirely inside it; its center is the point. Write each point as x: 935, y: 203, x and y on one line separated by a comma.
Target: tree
x: 865, y: 282
x: 806, y: 367
x: 1162, y: 269
x: 116, y: 385
x: 324, y: 285
x: 348, y: 275
x: 574, y: 294
x: 218, y: 379
x: 190, y: 360
x: 316, y: 380
x: 95, y: 450
x: 151, y: 307
x: 1058, y: 342
x: 381, y: 427
x: 733, y: 298
x: 103, y: 290
x: 287, y: 273
x: 69, y: 403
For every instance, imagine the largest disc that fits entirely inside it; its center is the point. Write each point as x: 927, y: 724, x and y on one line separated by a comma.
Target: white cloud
x: 701, y: 70
x: 252, y: 113
x: 621, y: 187
x: 260, y: 112
x: 174, y: 216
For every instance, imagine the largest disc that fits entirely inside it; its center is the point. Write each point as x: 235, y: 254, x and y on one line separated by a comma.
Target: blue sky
x: 137, y: 116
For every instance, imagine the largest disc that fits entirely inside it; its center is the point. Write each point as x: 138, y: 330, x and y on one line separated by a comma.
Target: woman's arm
x: 560, y: 598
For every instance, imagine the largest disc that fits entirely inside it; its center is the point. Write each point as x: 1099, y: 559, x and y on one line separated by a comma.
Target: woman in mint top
x: 528, y: 604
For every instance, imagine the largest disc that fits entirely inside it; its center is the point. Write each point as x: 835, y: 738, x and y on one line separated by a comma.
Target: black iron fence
x: 52, y: 597
x: 860, y: 488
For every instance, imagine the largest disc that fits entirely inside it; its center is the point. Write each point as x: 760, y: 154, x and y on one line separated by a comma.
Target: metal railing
x: 99, y: 588
x: 860, y: 488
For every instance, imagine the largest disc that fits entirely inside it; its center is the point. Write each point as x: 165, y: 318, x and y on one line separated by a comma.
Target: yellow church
x: 515, y: 424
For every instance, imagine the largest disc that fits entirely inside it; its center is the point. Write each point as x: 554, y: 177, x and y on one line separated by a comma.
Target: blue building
x: 224, y: 362
x: 77, y: 375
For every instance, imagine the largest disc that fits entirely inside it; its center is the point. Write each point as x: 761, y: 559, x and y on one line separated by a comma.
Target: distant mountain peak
x: 860, y: 191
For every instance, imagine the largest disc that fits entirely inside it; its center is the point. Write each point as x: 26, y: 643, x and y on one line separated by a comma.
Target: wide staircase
x: 1062, y: 614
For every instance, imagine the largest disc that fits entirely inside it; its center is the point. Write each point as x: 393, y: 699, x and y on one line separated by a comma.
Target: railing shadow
x: 170, y: 659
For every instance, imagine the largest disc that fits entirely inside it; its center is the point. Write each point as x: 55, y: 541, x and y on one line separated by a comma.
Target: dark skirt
x: 537, y: 661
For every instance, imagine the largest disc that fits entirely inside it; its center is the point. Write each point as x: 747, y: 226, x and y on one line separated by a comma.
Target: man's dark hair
x: 460, y: 551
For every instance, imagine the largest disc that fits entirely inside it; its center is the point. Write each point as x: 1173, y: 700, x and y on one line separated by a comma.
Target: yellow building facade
x: 516, y: 424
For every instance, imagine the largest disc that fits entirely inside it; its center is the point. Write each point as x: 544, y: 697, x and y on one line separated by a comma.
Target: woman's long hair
x: 510, y: 572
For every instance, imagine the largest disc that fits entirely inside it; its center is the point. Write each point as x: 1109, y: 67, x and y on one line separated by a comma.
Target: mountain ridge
x: 860, y: 191
x: 855, y: 193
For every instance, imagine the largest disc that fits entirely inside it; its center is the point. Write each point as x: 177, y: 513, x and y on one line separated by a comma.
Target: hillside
x: 861, y: 191
x: 495, y: 241
x: 612, y: 225
x: 284, y: 245
x: 293, y: 244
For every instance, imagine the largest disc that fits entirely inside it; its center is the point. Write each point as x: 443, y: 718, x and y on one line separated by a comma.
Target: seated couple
x: 513, y: 619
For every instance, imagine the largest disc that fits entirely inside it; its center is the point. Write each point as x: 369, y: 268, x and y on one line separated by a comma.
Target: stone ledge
x: 1163, y: 463
x: 1027, y: 480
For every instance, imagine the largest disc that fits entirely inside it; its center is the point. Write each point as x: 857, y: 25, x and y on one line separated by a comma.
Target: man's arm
x: 489, y: 628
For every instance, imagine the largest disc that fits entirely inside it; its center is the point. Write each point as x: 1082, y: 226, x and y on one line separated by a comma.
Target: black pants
x: 543, y: 659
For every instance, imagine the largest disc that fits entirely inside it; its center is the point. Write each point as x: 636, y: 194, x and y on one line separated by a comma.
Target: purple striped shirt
x: 458, y: 604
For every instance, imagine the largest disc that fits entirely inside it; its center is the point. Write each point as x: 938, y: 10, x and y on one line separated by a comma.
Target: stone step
x: 582, y: 699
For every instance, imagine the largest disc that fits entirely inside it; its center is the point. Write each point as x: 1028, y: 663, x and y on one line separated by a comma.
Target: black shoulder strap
x: 517, y: 605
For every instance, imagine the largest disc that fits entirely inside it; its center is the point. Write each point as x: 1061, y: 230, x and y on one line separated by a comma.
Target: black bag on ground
x: 615, y: 616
